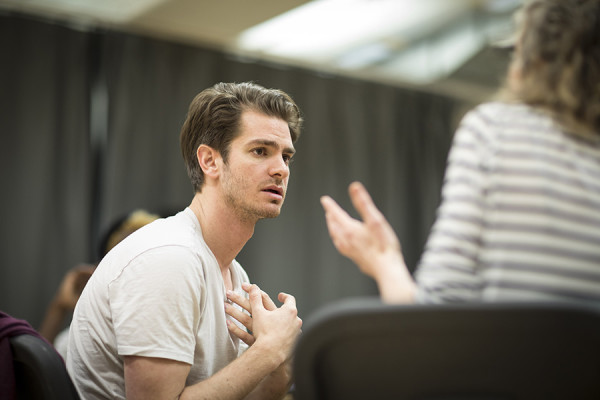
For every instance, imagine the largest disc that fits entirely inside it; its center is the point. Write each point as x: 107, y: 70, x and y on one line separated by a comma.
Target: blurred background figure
x: 63, y: 303
x: 520, y: 211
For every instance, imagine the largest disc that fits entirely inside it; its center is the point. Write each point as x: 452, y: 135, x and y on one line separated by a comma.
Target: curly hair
x: 214, y: 115
x: 558, y: 59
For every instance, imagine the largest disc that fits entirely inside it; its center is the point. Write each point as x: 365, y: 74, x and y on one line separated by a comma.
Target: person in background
x: 519, y: 218
x: 169, y: 313
x: 63, y: 303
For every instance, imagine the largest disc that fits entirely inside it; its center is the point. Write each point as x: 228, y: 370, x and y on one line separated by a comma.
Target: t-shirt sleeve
x: 156, y: 304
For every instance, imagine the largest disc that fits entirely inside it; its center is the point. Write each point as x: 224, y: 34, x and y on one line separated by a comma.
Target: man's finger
x: 239, y: 315
x: 267, y: 302
x: 242, y: 334
x: 239, y: 299
x: 287, y: 299
x: 243, y: 301
x: 256, y: 302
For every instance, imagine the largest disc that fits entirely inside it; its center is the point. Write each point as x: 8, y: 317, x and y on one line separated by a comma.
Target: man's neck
x: 223, y: 231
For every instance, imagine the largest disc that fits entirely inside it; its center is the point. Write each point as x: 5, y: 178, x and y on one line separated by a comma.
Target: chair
x: 363, y: 349
x: 40, y: 372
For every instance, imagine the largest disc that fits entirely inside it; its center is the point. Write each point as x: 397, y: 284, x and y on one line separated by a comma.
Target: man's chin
x: 264, y: 213
x: 271, y: 212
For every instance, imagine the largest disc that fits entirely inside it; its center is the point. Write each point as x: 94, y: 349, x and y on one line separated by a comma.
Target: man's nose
x: 279, y: 168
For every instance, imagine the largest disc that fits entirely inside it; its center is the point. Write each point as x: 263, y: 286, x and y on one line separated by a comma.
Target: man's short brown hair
x: 214, y: 116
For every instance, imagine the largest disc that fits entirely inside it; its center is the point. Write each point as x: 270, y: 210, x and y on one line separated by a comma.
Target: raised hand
x: 370, y: 243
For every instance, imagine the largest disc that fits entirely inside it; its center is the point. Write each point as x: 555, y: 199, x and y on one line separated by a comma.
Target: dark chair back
x: 363, y: 349
x: 40, y: 372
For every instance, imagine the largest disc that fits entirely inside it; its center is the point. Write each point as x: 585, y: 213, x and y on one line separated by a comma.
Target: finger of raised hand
x: 333, y: 209
x: 244, y: 335
x: 374, y: 219
x: 345, y: 234
x: 363, y: 203
x: 334, y: 216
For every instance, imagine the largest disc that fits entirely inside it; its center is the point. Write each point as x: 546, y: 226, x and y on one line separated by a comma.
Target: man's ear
x: 209, y: 160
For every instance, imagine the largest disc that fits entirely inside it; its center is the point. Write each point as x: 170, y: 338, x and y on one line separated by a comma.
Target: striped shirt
x: 520, y: 213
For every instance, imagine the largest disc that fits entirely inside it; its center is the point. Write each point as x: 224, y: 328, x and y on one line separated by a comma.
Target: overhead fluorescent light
x: 412, y: 40
x: 322, y: 30
x: 437, y: 57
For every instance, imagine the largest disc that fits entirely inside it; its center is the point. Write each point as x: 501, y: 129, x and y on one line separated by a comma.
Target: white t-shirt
x: 158, y: 293
x: 61, y: 341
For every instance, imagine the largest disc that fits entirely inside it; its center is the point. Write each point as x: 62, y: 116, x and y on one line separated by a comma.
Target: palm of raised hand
x: 371, y: 243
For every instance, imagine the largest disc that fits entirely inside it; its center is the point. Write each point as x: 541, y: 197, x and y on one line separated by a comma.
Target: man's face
x: 255, y: 178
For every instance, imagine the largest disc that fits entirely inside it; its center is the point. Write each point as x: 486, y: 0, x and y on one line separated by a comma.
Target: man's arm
x: 275, y: 332
x: 157, y: 378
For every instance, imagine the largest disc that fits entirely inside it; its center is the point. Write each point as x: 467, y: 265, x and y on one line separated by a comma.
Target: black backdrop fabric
x: 90, y: 126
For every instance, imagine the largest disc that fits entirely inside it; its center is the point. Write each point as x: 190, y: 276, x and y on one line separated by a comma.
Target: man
x: 520, y: 211
x: 152, y: 322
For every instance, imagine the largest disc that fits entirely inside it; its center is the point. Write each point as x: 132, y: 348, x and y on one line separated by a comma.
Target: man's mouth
x: 274, y: 189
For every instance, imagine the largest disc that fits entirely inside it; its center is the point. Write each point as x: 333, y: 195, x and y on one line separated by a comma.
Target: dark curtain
x: 46, y: 163
x: 392, y: 139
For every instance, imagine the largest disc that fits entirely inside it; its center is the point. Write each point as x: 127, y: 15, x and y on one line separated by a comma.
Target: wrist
x: 271, y: 355
x: 387, y: 266
x: 395, y: 283
x: 283, y: 376
x: 284, y: 370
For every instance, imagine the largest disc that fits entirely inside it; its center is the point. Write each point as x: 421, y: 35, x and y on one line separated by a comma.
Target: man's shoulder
x: 177, y: 230
x: 176, y: 237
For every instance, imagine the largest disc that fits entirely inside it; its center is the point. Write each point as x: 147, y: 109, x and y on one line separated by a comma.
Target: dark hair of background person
x: 214, y: 115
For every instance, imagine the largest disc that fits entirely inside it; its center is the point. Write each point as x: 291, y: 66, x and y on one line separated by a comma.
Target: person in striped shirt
x: 519, y: 218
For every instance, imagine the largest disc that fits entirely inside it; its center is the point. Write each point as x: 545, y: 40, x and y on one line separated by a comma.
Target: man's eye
x: 287, y: 159
x: 259, y: 151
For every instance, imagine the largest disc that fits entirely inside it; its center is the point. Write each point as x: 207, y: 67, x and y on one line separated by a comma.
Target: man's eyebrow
x: 271, y: 143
